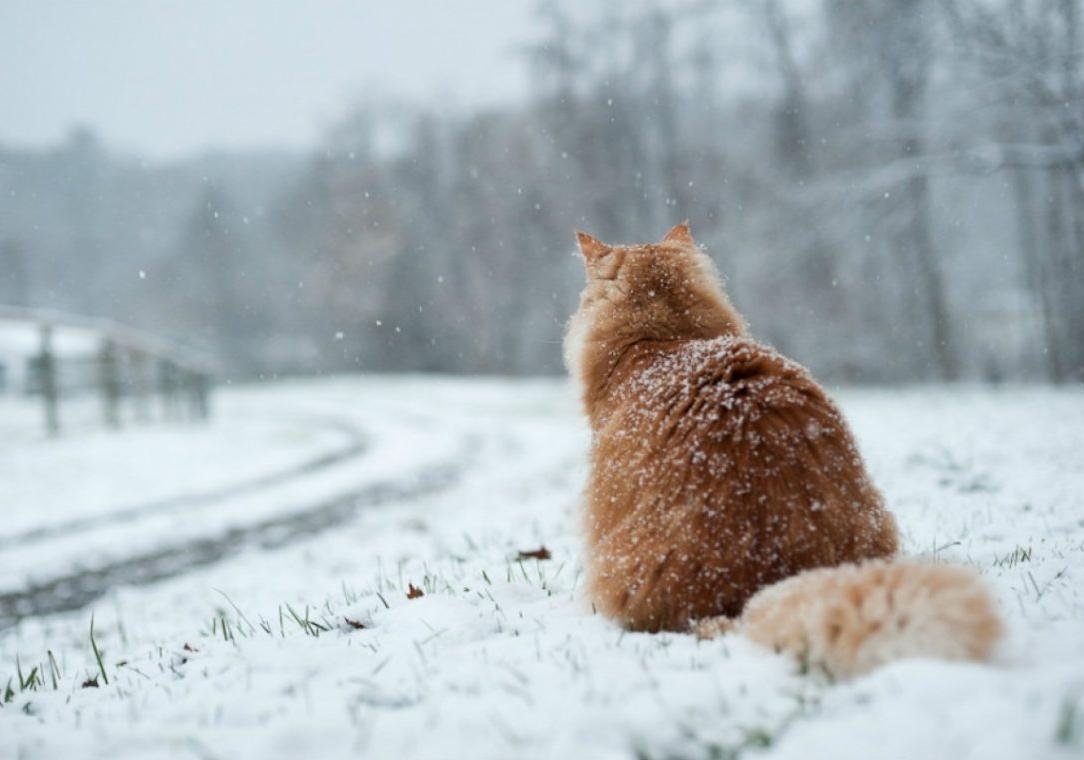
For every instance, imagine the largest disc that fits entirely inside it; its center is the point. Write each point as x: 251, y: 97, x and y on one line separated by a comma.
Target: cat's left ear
x: 591, y: 247
x: 680, y: 234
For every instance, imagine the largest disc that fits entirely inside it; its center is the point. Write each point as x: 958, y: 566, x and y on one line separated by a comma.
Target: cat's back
x: 722, y: 467
x: 730, y: 422
x: 723, y: 387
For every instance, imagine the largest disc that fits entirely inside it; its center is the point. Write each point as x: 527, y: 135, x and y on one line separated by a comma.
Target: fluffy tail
x: 853, y: 618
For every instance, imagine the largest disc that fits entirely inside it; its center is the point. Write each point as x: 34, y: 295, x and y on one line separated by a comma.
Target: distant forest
x: 893, y: 190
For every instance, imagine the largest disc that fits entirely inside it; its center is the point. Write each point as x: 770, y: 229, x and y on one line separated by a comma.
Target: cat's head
x: 669, y: 290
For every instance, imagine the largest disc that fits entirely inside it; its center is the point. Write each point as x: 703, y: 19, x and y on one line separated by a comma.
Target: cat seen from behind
x: 720, y: 468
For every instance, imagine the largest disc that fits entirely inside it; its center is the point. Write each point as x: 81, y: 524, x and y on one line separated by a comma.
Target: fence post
x: 167, y: 388
x: 109, y: 380
x: 47, y: 377
x: 137, y: 360
x: 199, y: 390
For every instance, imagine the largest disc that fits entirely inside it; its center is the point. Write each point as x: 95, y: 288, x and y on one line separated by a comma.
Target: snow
x: 501, y: 658
x: 22, y: 338
x: 238, y: 447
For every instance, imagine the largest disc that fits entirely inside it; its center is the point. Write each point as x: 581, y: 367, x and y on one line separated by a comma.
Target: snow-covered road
x: 275, y: 468
x: 306, y: 642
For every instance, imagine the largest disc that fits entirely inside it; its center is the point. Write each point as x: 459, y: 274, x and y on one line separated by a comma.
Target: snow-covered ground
x: 98, y: 472
x: 296, y: 637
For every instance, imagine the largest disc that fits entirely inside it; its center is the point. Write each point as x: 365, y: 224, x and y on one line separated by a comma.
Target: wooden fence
x: 122, y: 366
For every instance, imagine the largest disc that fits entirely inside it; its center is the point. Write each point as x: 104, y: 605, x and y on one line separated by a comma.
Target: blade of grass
x: 97, y: 652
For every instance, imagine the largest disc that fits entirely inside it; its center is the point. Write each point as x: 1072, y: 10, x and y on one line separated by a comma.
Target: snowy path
x: 82, y: 586
x: 93, y: 473
x: 71, y: 556
x: 105, y: 516
x: 258, y: 653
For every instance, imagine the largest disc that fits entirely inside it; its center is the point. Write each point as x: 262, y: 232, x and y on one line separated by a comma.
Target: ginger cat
x: 719, y: 467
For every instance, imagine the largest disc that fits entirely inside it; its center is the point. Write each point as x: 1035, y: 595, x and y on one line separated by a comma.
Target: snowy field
x: 332, y: 569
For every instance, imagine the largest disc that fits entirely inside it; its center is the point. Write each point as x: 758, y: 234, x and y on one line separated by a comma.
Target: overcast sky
x: 169, y: 77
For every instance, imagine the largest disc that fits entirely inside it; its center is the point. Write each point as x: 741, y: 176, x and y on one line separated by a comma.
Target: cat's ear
x: 680, y: 234
x: 591, y: 247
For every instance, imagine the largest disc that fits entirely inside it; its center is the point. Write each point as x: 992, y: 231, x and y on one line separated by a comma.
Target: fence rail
x: 119, y: 363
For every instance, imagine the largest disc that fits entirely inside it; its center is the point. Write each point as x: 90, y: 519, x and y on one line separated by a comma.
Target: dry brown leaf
x: 541, y: 553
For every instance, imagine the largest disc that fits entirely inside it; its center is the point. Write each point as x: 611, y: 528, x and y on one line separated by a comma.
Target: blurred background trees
x: 893, y: 189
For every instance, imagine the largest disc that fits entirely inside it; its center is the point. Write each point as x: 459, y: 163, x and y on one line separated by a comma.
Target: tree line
x: 893, y: 190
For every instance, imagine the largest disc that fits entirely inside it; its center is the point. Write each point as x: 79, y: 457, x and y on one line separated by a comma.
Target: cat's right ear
x: 591, y: 247
x: 680, y: 234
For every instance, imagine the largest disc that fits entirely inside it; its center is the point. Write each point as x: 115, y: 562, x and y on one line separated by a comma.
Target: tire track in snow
x: 79, y: 588
x: 354, y: 448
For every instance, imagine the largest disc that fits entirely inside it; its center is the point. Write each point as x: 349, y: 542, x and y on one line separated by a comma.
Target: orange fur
x: 719, y: 467
x: 850, y: 619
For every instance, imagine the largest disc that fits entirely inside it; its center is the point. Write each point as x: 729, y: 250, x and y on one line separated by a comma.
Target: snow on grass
x: 316, y: 648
